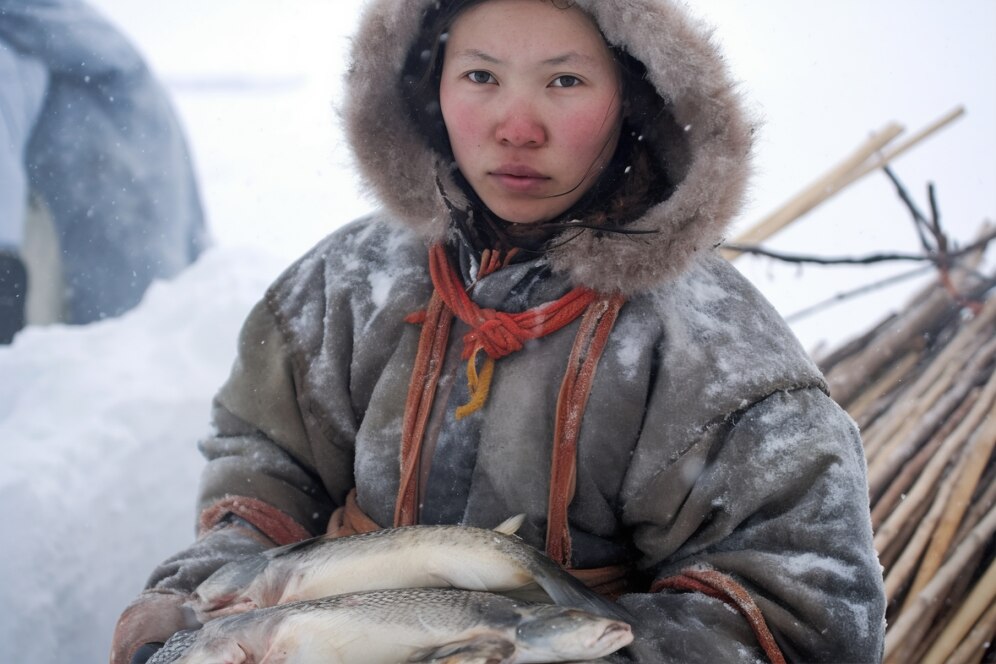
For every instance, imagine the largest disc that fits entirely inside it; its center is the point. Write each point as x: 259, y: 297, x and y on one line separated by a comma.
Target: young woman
x: 538, y: 323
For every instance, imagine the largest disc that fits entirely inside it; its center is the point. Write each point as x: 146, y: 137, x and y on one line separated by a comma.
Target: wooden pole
x: 850, y: 375
x: 923, y: 314
x: 885, y: 385
x: 898, y: 488
x: 981, y: 505
x: 971, y: 610
x: 924, y: 413
x: 924, y: 408
x: 889, y: 555
x: 858, y: 164
x: 904, y: 567
x: 898, y: 150
x: 973, y: 648
x: 924, y: 486
x: 817, y: 191
x: 968, y: 472
x: 903, y: 633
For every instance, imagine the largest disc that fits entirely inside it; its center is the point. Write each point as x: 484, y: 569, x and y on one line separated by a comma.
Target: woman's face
x: 531, y: 98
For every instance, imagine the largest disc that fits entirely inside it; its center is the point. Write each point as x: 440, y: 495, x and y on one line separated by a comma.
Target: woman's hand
x: 152, y: 618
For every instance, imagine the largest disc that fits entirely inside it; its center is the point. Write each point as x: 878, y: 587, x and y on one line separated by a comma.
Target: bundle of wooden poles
x: 922, y: 387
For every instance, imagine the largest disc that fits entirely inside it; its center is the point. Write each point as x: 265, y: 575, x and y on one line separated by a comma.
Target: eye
x: 481, y: 77
x: 566, y: 81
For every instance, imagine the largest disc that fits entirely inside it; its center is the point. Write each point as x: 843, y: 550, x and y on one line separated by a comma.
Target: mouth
x: 519, y: 179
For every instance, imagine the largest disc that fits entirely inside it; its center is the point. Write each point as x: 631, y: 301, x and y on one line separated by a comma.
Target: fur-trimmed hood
x: 703, y: 142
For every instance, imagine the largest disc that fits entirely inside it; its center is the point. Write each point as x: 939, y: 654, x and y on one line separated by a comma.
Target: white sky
x: 256, y: 81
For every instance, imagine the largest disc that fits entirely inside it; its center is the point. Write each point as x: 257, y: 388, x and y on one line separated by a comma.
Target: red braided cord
x: 496, y: 332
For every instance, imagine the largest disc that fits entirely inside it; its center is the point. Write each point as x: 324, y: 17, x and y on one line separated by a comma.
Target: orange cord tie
x: 497, y: 333
x: 497, y: 339
x: 479, y: 384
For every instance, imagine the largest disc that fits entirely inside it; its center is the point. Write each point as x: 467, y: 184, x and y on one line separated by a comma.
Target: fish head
x: 176, y: 648
x: 231, y: 589
x: 551, y: 633
x: 193, y: 647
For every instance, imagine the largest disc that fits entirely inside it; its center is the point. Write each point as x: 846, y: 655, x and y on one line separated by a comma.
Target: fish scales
x: 400, y: 626
x: 462, y: 557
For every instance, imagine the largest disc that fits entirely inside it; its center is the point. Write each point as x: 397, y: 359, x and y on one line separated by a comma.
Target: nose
x: 521, y: 126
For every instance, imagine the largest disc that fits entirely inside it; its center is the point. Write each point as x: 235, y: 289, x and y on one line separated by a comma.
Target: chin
x: 515, y: 215
x: 524, y: 221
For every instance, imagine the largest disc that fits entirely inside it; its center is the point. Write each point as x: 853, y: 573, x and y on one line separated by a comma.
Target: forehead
x: 533, y: 29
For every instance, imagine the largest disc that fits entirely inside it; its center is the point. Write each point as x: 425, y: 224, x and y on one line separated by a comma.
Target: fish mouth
x: 614, y: 636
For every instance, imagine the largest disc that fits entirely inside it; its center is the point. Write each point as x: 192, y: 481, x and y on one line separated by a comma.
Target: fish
x: 447, y: 556
x: 389, y: 626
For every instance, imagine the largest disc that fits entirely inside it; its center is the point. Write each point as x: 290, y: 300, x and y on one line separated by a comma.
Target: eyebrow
x: 566, y: 58
x: 474, y: 54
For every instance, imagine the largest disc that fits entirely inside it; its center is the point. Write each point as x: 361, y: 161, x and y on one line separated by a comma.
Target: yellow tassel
x: 479, y: 384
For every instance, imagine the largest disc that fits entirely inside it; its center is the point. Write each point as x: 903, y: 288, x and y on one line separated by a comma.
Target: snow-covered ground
x: 98, y: 466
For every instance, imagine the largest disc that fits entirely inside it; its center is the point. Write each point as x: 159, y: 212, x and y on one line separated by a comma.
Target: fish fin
x: 293, y: 547
x: 510, y: 525
x: 565, y: 590
x: 223, y: 592
x: 476, y: 651
x: 528, y: 593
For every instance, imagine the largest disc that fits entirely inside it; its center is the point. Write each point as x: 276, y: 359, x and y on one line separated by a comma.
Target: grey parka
x: 708, y: 439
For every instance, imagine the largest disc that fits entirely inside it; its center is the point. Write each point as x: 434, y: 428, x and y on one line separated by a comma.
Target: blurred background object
x: 93, y: 148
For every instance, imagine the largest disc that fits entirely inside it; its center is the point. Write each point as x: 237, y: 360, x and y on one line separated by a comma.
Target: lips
x: 519, y: 178
x: 518, y: 171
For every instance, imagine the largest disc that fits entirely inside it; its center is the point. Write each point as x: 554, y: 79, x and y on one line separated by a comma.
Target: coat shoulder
x: 350, y: 277
x: 720, y: 338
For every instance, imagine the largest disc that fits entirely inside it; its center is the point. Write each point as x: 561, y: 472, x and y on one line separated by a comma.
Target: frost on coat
x: 707, y: 440
x: 699, y: 446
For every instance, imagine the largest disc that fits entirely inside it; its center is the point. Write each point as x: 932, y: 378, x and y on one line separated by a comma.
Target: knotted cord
x: 496, y: 333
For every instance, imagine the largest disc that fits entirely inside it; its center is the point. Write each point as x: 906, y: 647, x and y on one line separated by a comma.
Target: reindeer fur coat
x: 708, y: 441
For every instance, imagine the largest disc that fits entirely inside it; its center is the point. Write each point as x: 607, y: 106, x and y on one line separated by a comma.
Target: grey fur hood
x: 703, y: 143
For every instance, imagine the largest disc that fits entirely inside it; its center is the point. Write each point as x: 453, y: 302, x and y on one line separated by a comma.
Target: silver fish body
x: 412, y: 625
x: 410, y: 557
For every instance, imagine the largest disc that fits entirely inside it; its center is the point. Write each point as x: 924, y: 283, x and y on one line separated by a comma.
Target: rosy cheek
x: 587, y: 131
x: 459, y: 114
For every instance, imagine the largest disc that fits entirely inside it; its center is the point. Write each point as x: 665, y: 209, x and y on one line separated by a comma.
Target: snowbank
x: 98, y: 458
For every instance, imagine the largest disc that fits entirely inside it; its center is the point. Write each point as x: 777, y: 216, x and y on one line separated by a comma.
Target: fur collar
x: 705, y: 144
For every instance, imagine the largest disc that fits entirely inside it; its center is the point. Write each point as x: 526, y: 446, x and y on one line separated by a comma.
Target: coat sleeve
x: 258, y: 488
x: 261, y: 470
x: 280, y: 455
x: 159, y: 612
x: 262, y: 464
x: 773, y: 500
